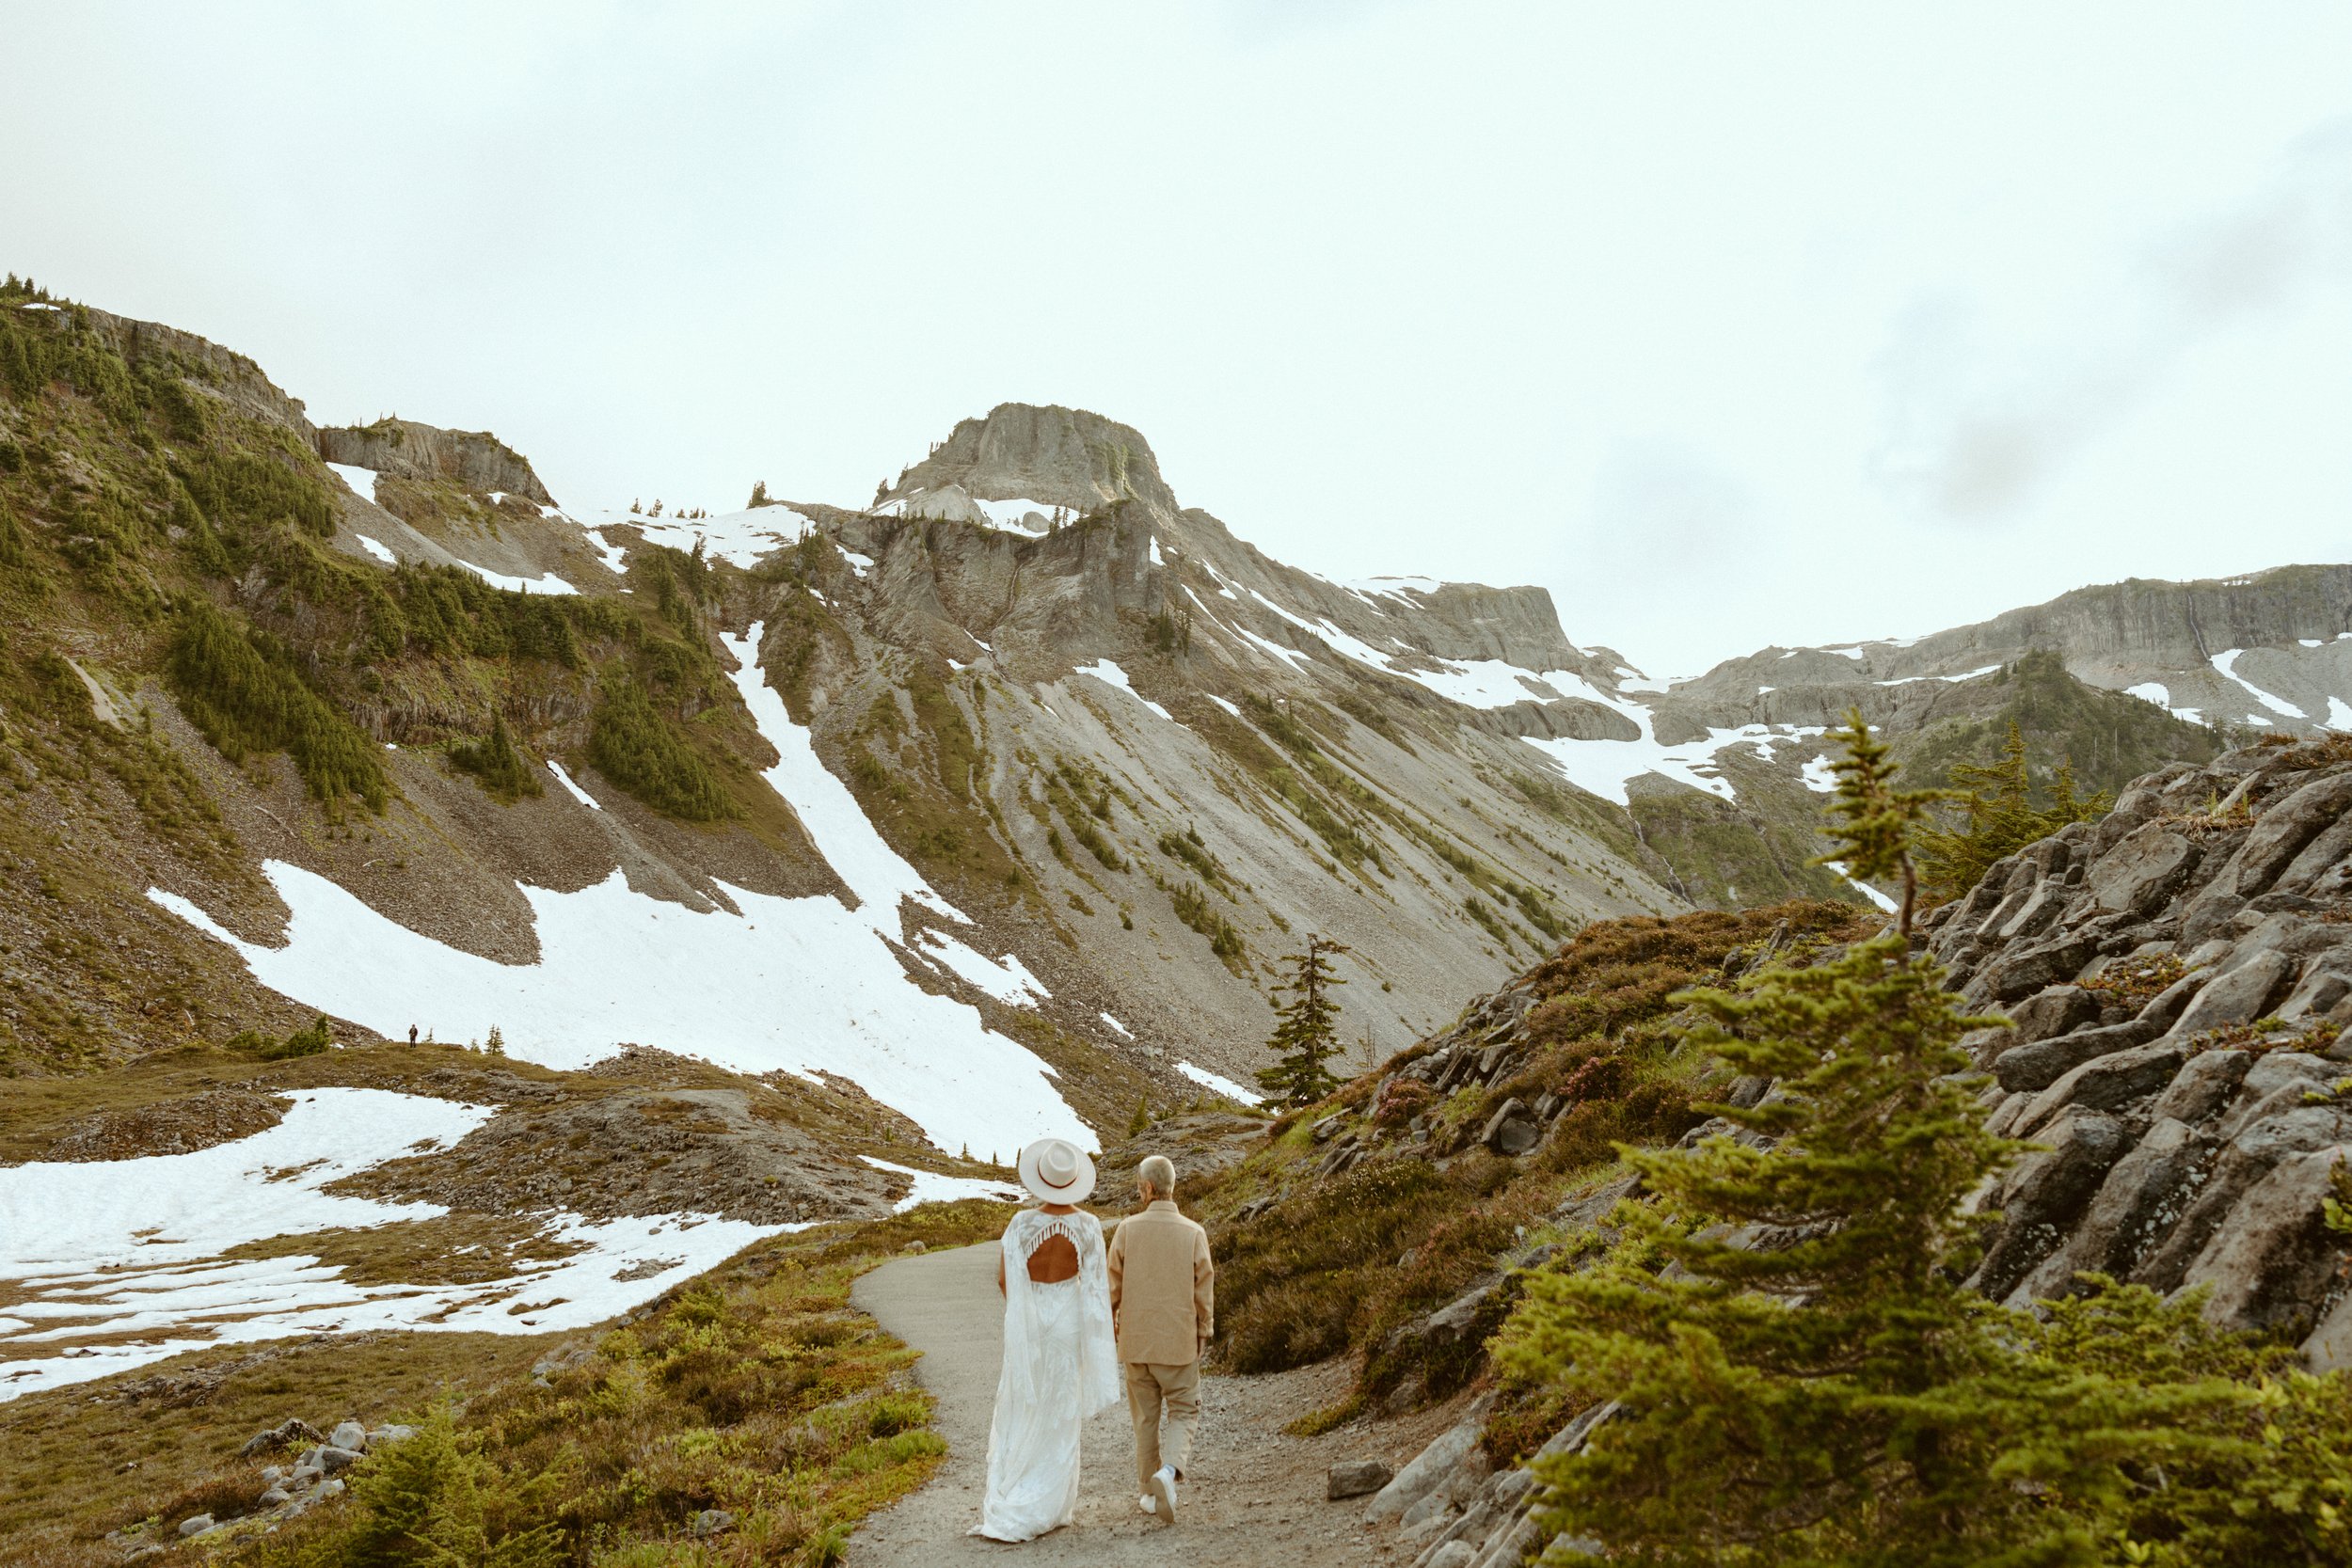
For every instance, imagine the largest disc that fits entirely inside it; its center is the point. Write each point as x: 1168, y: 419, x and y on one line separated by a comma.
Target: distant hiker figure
x: 412, y: 1033
x: 1163, y: 1303
x: 1059, y: 1364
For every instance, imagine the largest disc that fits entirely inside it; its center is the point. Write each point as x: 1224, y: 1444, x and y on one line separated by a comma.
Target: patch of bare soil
x: 169, y: 1126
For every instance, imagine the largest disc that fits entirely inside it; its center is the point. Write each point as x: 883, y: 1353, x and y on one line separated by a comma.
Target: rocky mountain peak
x: 473, y: 460
x: 1053, y: 456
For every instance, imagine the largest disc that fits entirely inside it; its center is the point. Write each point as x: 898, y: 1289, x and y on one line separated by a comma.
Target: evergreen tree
x: 1997, y: 819
x: 1872, y: 821
x: 1800, y: 1377
x: 1142, y: 1118
x: 498, y: 762
x: 1307, y: 1033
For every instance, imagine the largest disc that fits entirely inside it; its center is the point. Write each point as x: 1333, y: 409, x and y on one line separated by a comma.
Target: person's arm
x: 1203, y: 1288
x: 1114, y: 1263
x: 1000, y: 1268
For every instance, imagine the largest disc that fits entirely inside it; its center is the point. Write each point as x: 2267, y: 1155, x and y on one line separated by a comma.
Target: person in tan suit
x: 1164, y: 1306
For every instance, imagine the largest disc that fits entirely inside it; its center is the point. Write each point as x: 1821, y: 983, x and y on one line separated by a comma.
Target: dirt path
x: 1256, y: 1498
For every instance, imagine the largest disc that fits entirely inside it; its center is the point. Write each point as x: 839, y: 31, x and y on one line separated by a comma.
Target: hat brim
x: 1081, y: 1186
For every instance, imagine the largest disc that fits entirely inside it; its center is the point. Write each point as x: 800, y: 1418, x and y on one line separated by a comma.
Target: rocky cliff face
x: 472, y: 460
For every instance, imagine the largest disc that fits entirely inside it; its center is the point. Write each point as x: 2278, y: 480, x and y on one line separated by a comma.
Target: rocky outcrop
x: 473, y: 460
x: 2176, y: 995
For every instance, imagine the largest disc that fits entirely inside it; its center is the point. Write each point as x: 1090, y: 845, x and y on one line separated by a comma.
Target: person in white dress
x: 1061, y: 1361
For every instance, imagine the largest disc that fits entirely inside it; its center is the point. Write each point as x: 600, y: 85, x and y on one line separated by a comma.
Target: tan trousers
x: 1151, y: 1389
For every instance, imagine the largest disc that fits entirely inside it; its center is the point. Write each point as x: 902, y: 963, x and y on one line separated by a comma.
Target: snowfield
x: 801, y: 985
x: 122, y: 1247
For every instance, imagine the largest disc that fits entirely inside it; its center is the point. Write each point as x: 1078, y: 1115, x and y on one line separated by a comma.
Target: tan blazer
x: 1163, y: 1287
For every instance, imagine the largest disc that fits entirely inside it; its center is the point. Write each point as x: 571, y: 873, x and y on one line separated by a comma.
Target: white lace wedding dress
x: 1062, y: 1365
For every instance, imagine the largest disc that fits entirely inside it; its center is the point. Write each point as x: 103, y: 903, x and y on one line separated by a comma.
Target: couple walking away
x: 1080, y: 1320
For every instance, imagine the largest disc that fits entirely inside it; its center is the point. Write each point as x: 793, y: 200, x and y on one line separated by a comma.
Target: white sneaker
x: 1148, y: 1505
x: 1164, y: 1491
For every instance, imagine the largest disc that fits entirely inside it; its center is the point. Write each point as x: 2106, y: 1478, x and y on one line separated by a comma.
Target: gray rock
x: 2020, y: 971
x: 2243, y: 1162
x: 2051, y: 1011
x: 2044, y: 1193
x: 2275, y: 1257
x: 2145, y: 1192
x: 349, y: 1435
x: 2237, y: 995
x: 1512, y: 1129
x: 195, y: 1525
x: 1424, y: 1471
x: 272, y: 1496
x: 1354, y: 1478
x: 284, y: 1434
x: 2330, y: 1347
x: 329, y: 1489
x: 1453, y: 1554
x: 272, y: 1474
x: 2045, y: 1062
x: 385, y: 1435
x: 333, y: 1460
x: 2316, y: 994
x: 2285, y: 826
x: 2141, y: 872
x: 2165, y: 1008
x: 2108, y: 1082
x: 713, y: 1521
x: 2206, y: 1082
x: 1329, y: 1128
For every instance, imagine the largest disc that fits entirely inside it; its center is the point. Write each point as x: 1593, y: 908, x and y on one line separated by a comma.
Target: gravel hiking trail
x: 1256, y: 1496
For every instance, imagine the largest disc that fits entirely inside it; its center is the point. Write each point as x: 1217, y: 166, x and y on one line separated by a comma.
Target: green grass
x: 755, y: 1388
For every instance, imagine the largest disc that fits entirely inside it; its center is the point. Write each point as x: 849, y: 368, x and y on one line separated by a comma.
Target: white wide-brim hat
x: 1058, y: 1171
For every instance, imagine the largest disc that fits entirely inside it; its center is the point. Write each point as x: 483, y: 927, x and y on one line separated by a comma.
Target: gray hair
x: 1157, y: 1173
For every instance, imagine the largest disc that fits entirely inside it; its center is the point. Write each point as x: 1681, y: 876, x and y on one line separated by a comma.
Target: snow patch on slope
x: 2226, y: 663
x: 801, y: 984
x: 1225, y: 1086
x: 363, y: 480
x: 133, y: 1247
x: 1111, y: 675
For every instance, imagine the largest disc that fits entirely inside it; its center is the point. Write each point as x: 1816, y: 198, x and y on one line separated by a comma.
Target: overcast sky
x: 1730, y: 325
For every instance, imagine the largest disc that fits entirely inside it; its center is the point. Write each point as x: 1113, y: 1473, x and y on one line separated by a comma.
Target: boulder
x: 2044, y: 1193
x: 2243, y: 1162
x: 272, y: 1497
x: 2137, y: 1203
x: 1355, y: 1477
x: 332, y: 1459
x: 2286, y: 826
x: 2275, y: 1257
x: 385, y: 1435
x: 2237, y: 995
x: 284, y: 1434
x: 2020, y: 971
x: 2045, y: 1062
x: 2141, y: 872
x: 1512, y: 1129
x: 1424, y: 1471
x: 349, y: 1435
x: 713, y: 1521
x: 196, y: 1524
x: 2205, y: 1083
x: 2106, y: 1082
x: 2052, y: 1010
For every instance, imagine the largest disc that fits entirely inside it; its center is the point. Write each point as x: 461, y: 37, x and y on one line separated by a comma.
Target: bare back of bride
x: 1060, y: 1364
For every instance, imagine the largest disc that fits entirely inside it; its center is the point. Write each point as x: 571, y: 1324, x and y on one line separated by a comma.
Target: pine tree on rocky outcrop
x: 1307, y: 1034
x: 1800, y: 1377
x: 1870, y: 820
